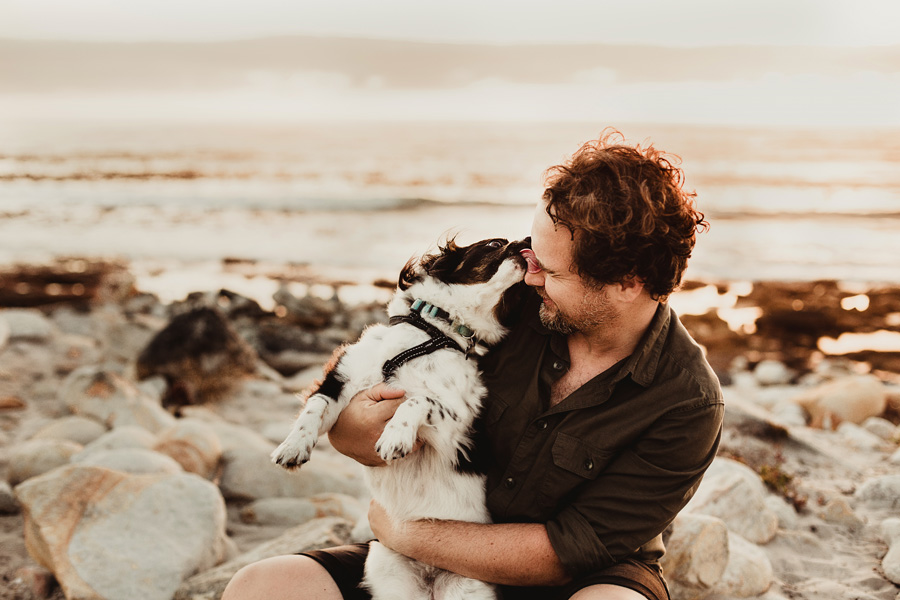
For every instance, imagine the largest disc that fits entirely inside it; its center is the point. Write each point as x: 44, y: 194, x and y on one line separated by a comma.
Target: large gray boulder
x: 113, y: 536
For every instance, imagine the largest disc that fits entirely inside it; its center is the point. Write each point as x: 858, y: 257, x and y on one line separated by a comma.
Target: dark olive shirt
x: 609, y: 467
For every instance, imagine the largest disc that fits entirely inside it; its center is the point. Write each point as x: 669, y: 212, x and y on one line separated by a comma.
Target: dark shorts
x: 345, y: 565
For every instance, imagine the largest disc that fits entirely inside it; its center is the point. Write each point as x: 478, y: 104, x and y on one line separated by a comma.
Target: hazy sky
x: 664, y: 22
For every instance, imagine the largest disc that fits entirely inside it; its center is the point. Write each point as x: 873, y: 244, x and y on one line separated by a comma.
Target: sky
x: 662, y: 22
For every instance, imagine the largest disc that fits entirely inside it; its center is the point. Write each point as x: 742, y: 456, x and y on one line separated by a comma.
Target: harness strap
x: 438, y: 341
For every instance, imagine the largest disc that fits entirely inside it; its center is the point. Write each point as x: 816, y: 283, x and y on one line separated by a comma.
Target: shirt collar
x: 642, y: 363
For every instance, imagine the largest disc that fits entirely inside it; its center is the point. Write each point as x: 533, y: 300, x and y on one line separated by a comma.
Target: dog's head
x: 481, y: 284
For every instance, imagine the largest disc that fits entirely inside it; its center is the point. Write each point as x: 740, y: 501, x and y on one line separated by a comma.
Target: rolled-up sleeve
x: 639, y: 492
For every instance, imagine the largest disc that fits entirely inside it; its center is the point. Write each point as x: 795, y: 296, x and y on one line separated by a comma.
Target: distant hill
x: 36, y: 66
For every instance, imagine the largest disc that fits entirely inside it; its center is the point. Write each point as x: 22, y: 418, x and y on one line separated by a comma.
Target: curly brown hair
x: 627, y: 212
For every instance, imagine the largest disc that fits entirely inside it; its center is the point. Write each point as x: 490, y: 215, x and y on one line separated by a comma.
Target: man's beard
x: 595, y: 312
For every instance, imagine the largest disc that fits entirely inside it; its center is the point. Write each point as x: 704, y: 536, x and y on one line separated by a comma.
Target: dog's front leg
x: 317, y: 417
x: 400, y: 434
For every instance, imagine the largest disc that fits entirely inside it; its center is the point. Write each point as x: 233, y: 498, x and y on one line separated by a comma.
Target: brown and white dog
x: 449, y: 306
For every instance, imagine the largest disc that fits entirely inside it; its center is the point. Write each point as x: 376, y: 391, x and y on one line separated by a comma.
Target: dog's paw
x: 396, y: 441
x: 294, y: 451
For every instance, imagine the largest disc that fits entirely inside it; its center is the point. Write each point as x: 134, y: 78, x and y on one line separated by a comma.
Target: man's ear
x: 629, y: 289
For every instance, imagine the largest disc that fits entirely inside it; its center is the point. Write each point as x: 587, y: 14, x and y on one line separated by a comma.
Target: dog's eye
x: 495, y: 244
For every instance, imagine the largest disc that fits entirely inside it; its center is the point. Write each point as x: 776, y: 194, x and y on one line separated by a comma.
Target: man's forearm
x: 509, y: 554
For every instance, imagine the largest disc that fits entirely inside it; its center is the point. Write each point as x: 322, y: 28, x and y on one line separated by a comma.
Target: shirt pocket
x: 574, y: 464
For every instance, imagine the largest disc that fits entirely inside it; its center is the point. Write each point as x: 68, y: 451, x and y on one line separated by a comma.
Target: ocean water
x: 361, y: 197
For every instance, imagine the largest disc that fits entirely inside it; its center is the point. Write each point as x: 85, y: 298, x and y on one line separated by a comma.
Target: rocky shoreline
x: 105, y: 493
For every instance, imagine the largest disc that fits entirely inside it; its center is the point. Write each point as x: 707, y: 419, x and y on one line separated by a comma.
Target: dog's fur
x: 478, y: 285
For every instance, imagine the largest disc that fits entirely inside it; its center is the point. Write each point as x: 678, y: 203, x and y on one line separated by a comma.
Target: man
x: 601, y: 417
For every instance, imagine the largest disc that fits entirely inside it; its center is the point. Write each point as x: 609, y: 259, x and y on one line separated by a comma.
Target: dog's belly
x: 423, y: 486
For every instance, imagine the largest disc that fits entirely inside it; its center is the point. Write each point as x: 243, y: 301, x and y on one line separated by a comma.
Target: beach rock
x: 194, y: 445
x: 35, y: 457
x: 296, y: 511
x: 27, y: 324
x: 91, y: 526
x: 11, y: 403
x: 235, y: 437
x: 851, y: 399
x: 199, y: 354
x: 895, y: 457
x: 321, y: 533
x: 749, y: 571
x: 859, y: 438
x: 880, y: 492
x: 696, y: 555
x: 250, y: 475
x: 787, y: 515
x: 80, y: 430
x: 126, y: 436
x: 838, y: 512
x: 136, y: 461
x: 734, y: 493
x: 772, y: 372
x: 111, y: 399
x: 890, y: 531
x: 8, y: 503
x: 125, y: 339
x: 308, y: 311
x: 882, y: 428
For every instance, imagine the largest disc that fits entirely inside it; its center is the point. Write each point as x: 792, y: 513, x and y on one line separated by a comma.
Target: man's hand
x: 360, y: 424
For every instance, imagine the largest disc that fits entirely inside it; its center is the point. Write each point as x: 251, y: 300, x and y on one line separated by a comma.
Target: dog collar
x: 427, y: 309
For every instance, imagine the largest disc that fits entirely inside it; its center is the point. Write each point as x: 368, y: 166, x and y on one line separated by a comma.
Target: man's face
x: 570, y: 304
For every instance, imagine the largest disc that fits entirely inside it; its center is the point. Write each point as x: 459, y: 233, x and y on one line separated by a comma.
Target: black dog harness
x: 438, y: 340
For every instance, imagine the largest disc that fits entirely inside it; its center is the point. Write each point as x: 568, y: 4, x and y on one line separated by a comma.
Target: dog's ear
x: 444, y: 262
x: 409, y: 274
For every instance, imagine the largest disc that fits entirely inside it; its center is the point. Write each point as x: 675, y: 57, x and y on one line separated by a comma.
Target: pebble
x: 696, y: 554
x: 193, y: 444
x: 126, y: 436
x: 857, y: 437
x: 749, y: 571
x: 838, y: 512
x: 882, y: 428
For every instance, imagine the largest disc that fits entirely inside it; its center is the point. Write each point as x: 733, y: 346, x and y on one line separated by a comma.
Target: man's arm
x: 361, y: 422
x: 504, y: 553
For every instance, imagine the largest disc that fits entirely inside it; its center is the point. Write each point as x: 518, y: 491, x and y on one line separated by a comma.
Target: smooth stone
x: 696, y: 555
x: 734, y: 493
x: 296, y: 511
x: 80, y: 430
x: 137, y: 461
x: 27, y: 324
x: 194, y: 445
x: 880, y: 492
x: 859, y: 438
x: 890, y: 531
x: 110, y: 535
x: 772, y: 372
x: 882, y: 428
x: 126, y: 436
x: 36, y: 457
x: 749, y: 572
x: 849, y: 399
x: 112, y: 399
x: 250, y: 475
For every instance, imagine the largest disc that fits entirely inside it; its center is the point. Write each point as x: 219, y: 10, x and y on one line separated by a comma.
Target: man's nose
x: 534, y: 279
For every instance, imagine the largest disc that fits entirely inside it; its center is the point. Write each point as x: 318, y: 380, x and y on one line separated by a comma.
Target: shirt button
x: 541, y: 425
x: 558, y: 365
x: 509, y: 483
x: 588, y: 464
